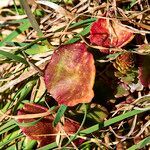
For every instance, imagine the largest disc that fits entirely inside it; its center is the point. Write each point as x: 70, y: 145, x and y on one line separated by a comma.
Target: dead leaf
x: 70, y: 74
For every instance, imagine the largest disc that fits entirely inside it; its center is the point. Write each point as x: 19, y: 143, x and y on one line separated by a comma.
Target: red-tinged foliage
x: 109, y: 34
x: 71, y: 127
x: 70, y: 74
x: 144, y: 70
x: 124, y: 62
x: 44, y: 126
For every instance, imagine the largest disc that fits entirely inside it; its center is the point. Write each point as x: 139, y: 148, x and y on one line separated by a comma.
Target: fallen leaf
x: 70, y: 74
x: 43, y: 131
x: 44, y: 126
x: 110, y: 34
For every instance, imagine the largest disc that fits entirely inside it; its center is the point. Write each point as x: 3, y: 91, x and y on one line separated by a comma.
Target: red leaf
x: 109, y: 34
x: 44, y: 126
x: 69, y: 76
x: 144, y: 71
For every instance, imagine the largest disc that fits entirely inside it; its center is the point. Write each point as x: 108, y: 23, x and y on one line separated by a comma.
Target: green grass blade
x: 13, y: 57
x: 85, y: 31
x: 83, y: 121
x: 28, y: 124
x: 12, y: 22
x: 26, y: 24
x: 6, y: 107
x: 122, y: 117
x: 100, y: 125
x: 111, y: 121
x: 49, y: 146
x: 8, y: 129
x: 29, y: 144
x: 22, y: 93
x: 7, y: 124
x: 59, y: 114
x: 141, y: 144
x: 83, y: 22
x: 9, y: 138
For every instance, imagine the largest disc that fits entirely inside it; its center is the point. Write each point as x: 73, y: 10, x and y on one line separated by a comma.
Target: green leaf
x: 141, y: 144
x: 59, y: 114
x: 37, y: 49
x: 30, y: 48
x: 26, y: 24
x: 13, y: 57
x: 121, y: 91
x: 114, y: 56
x: 96, y: 112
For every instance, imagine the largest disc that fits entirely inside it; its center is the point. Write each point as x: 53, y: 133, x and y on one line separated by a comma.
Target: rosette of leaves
x: 110, y: 33
x: 125, y: 67
x: 43, y: 131
x: 70, y: 74
x: 125, y: 72
x: 124, y: 62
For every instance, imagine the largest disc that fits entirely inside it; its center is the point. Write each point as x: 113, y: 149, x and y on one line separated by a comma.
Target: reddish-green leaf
x: 109, y: 34
x: 70, y: 74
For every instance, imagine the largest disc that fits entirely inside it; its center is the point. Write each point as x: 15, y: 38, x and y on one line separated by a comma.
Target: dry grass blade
x: 5, y: 19
x: 57, y: 8
x: 147, y: 124
x: 27, y: 116
x: 31, y: 71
